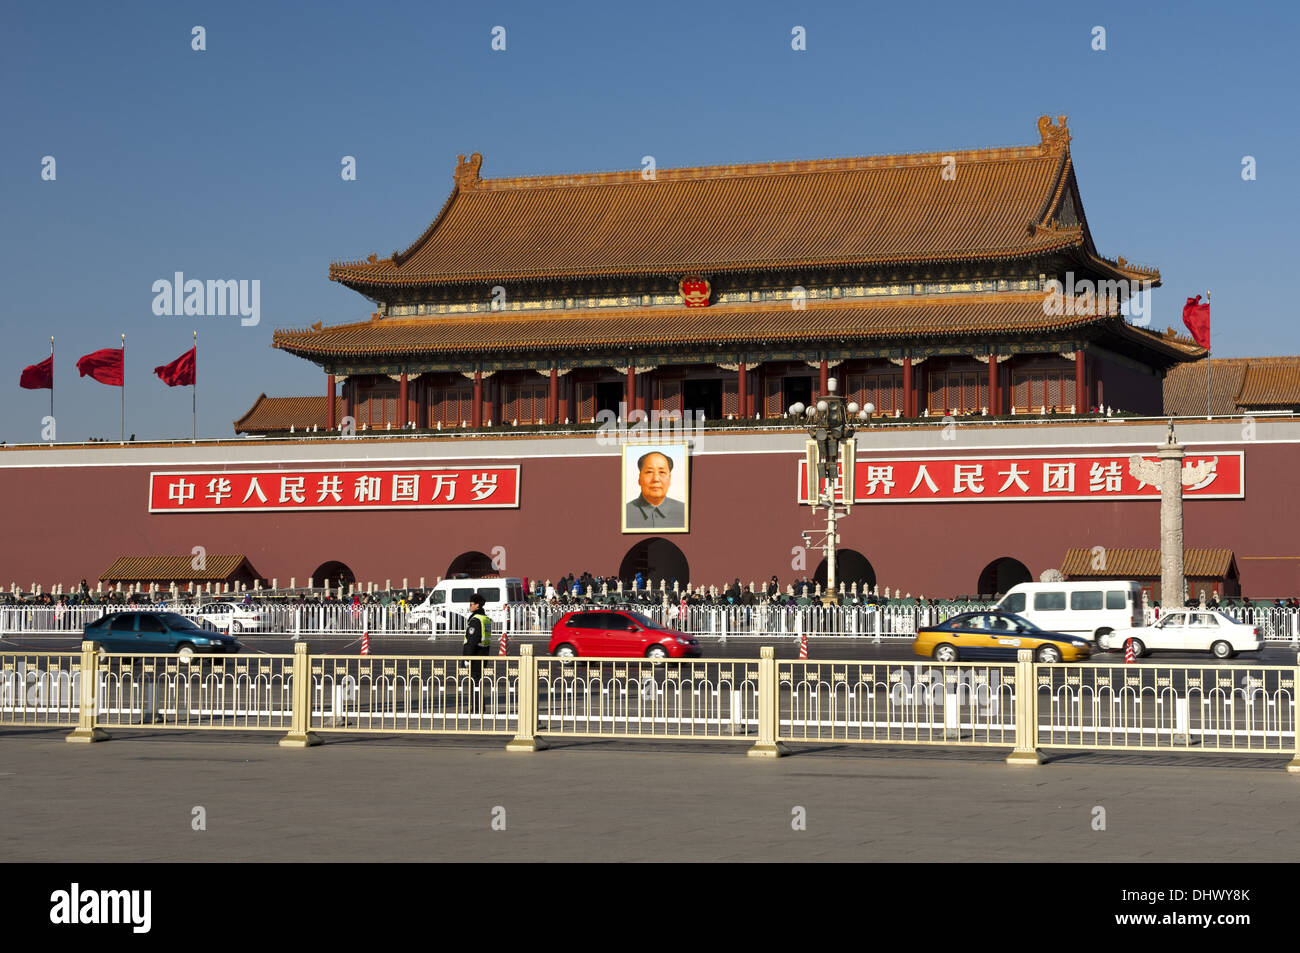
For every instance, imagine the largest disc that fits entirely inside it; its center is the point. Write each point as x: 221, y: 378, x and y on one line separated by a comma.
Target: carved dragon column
x: 1172, y: 581
x: 1171, y: 476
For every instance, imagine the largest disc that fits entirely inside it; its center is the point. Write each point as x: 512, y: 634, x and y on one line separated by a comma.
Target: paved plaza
x: 403, y: 799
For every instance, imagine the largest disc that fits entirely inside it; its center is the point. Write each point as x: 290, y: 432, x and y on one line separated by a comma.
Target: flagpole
x: 52, y: 382
x: 1209, y: 368
x: 123, y: 388
x: 194, y: 393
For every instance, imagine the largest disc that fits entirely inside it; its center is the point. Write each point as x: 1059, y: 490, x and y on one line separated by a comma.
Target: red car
x: 615, y: 633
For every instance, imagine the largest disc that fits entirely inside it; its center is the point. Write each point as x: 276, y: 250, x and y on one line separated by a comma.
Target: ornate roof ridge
x: 1055, y: 139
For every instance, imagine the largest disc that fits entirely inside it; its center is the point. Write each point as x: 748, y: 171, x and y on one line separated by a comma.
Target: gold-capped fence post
x: 300, y: 734
x: 1026, y: 750
x: 1292, y: 766
x: 525, y: 738
x: 86, y: 732
x: 768, y: 708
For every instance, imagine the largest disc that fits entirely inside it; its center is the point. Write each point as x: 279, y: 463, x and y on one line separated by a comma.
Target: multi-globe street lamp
x: 830, y: 462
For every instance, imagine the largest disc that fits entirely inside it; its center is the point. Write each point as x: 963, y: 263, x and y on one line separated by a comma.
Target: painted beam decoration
x: 414, y: 488
x: 1222, y: 476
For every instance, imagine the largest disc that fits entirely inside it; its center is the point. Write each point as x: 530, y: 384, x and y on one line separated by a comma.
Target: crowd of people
x: 574, y: 589
x: 570, y: 589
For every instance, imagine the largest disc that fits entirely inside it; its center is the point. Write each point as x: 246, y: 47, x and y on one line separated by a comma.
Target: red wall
x: 70, y: 522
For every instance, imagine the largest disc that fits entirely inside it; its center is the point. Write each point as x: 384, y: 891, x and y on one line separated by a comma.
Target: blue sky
x: 225, y: 163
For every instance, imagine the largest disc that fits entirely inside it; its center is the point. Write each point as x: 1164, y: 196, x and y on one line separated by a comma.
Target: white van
x: 1091, y: 609
x: 446, y: 608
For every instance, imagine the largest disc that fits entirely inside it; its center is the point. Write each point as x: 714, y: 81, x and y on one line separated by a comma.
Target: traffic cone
x: 1129, y: 657
x: 803, y: 645
x: 365, y: 642
x: 501, y: 644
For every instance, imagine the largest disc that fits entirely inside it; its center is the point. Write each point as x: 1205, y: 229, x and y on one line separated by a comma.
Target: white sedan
x: 230, y: 617
x: 1188, y: 631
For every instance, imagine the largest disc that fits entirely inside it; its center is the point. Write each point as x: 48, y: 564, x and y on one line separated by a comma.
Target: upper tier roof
x: 1001, y: 203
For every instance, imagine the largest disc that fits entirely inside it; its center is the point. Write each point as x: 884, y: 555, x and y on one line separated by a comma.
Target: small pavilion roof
x: 1145, y: 563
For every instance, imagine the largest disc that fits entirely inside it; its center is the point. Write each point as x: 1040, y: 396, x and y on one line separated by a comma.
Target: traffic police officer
x: 478, y: 636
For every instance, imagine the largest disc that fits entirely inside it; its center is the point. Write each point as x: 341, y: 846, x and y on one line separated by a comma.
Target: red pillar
x: 630, y: 390
x: 993, y: 383
x: 742, y: 392
x: 330, y: 422
x: 476, y: 410
x: 909, y: 405
x: 1080, y: 382
x: 821, y: 380
x: 553, y: 399
x: 403, y: 411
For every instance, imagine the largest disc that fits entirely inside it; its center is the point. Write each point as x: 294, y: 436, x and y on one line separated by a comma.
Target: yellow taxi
x: 996, y: 635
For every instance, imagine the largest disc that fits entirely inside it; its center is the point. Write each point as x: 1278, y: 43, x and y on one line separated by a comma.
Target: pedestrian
x: 478, y: 639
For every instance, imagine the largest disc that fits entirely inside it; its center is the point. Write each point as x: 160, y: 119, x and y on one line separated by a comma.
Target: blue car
x: 157, y: 633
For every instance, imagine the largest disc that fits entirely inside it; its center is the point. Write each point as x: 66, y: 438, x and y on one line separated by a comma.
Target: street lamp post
x: 830, y: 425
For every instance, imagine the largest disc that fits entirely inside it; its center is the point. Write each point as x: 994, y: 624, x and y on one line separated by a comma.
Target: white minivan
x: 1091, y: 609
x: 446, y: 608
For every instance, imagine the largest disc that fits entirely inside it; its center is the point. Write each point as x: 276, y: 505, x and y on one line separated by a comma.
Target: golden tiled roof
x: 999, y: 204
x: 1185, y: 387
x: 220, y: 566
x: 1235, y: 383
x: 1144, y: 563
x: 278, y: 413
x: 1271, y: 383
x: 756, y: 323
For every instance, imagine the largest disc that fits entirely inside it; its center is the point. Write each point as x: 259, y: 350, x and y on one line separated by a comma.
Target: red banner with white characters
x: 414, y: 488
x: 1215, y: 476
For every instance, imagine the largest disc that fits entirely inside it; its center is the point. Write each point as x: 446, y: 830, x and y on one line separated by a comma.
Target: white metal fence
x: 1236, y: 708
x: 894, y: 620
x: 647, y: 699
x: 477, y: 695
x: 1028, y: 705
x: 918, y: 703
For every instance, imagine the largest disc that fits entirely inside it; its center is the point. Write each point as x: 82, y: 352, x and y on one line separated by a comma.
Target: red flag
x: 1197, y: 318
x: 104, y: 366
x: 180, y: 372
x: 38, y: 376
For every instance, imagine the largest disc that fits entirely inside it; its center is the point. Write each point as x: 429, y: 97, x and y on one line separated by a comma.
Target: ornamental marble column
x: 1171, y: 476
x: 1172, y: 580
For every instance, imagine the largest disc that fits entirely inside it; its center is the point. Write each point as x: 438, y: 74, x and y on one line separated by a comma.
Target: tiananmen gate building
x: 548, y: 341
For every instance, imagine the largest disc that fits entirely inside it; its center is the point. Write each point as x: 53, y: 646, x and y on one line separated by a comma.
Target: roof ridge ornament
x: 467, y: 172
x: 1055, y: 137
